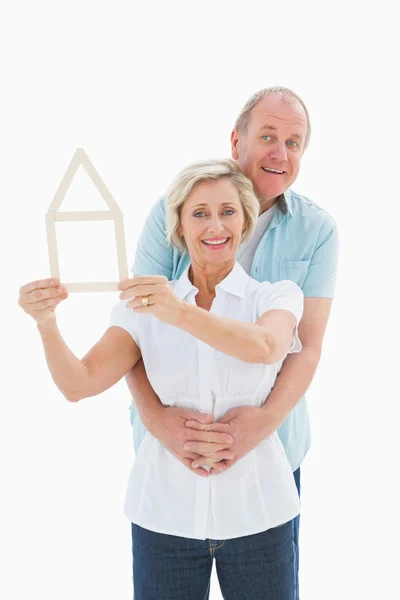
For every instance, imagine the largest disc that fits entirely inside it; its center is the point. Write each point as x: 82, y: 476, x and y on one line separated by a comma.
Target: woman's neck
x: 206, y: 278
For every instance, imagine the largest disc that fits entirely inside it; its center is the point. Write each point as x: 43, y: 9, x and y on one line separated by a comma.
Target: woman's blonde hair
x: 208, y: 170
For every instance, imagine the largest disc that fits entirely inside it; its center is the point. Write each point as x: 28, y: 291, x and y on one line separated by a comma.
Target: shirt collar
x: 235, y: 283
x: 284, y: 202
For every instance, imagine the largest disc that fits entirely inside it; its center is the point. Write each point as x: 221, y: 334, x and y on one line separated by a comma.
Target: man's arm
x: 250, y: 425
x: 298, y: 370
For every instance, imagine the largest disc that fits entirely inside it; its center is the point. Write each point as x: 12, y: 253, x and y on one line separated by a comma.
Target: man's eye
x: 292, y: 143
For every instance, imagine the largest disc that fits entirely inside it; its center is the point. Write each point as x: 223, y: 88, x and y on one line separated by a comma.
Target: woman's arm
x: 103, y: 366
x: 267, y: 341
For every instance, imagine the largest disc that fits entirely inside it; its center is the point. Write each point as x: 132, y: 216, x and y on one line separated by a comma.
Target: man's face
x: 269, y: 153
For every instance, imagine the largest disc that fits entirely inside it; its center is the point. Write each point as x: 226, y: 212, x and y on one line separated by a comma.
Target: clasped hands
x: 198, y: 441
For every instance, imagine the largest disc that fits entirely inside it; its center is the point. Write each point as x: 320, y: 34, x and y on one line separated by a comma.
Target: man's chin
x: 274, y: 190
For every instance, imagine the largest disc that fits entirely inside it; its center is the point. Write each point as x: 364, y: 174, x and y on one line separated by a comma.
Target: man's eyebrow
x: 270, y: 127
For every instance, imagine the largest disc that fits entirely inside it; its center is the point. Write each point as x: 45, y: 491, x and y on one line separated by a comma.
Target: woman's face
x: 212, y: 222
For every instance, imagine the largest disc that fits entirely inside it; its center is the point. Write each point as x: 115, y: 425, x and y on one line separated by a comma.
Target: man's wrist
x: 271, y: 421
x: 151, y: 415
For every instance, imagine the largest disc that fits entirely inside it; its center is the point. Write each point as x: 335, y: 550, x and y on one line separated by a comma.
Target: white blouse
x: 256, y: 493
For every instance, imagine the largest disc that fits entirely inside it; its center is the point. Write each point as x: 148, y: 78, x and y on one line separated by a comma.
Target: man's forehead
x: 273, y: 110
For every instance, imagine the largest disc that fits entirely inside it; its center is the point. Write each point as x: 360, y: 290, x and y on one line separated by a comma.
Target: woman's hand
x: 153, y: 294
x: 40, y: 298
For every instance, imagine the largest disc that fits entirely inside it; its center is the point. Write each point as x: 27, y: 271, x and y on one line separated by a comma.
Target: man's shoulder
x: 303, y: 207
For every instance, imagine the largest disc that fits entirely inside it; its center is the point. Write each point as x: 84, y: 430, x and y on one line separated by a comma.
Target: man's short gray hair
x: 242, y: 122
x: 208, y: 170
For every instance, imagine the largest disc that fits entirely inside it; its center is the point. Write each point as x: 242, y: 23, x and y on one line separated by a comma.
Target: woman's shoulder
x: 264, y: 295
x: 262, y: 288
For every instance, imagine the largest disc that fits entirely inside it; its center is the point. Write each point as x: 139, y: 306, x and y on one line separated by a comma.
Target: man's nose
x: 279, y: 152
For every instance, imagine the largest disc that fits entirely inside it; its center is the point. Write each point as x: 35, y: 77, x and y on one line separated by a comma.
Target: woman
x: 210, y: 341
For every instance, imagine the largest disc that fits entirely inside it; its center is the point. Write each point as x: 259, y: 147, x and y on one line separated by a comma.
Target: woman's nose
x: 215, y: 225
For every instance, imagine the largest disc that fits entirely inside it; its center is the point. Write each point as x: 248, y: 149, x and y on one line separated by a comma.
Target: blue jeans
x: 263, y: 566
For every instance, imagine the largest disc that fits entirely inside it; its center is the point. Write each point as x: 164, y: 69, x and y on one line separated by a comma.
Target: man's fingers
x: 211, y: 437
x: 217, y: 426
x: 199, y: 471
x: 197, y: 417
x: 201, y: 461
x: 205, y: 449
x: 219, y: 468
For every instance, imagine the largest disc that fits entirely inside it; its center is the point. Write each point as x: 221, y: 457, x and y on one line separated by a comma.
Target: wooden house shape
x: 114, y: 213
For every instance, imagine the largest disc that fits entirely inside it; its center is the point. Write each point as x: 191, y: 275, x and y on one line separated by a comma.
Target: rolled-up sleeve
x: 154, y: 256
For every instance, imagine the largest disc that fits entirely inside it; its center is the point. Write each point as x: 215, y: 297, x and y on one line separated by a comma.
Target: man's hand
x: 168, y: 425
x: 247, y: 427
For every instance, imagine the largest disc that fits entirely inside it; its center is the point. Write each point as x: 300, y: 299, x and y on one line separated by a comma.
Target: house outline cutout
x: 114, y: 213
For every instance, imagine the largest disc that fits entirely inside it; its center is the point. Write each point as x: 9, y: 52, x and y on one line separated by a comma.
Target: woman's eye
x: 265, y: 137
x: 229, y: 211
x: 292, y: 143
x: 199, y: 214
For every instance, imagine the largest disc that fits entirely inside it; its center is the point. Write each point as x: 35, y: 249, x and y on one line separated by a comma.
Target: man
x: 295, y: 239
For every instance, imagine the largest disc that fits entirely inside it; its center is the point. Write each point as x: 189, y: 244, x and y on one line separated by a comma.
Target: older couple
x: 212, y: 343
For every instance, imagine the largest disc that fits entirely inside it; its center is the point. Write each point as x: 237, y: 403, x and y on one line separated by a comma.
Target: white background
x: 145, y: 88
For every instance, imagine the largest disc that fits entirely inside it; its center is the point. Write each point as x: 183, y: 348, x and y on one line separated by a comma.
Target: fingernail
x: 196, y: 466
x: 187, y: 446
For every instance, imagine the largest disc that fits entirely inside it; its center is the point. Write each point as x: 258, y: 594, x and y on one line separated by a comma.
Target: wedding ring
x: 145, y: 300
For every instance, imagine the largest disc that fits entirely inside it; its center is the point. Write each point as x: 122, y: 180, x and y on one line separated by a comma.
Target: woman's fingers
x: 39, y: 298
x: 142, y: 286
x: 38, y: 284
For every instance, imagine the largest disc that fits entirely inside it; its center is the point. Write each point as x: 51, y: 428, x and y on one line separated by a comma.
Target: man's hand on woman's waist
x: 246, y: 424
x: 168, y: 425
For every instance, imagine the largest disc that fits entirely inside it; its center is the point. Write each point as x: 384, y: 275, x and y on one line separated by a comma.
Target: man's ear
x: 234, y: 144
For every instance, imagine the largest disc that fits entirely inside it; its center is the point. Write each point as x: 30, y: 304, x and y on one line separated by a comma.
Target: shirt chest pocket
x: 295, y: 270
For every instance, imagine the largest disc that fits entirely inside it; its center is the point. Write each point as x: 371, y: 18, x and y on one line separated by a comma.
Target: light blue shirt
x: 300, y: 243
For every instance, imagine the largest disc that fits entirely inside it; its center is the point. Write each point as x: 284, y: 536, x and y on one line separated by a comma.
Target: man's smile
x: 269, y: 170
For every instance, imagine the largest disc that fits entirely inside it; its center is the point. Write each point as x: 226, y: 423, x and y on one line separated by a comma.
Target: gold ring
x: 145, y: 301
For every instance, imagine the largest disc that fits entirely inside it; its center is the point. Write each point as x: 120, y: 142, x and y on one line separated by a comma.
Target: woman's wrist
x: 48, y: 326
